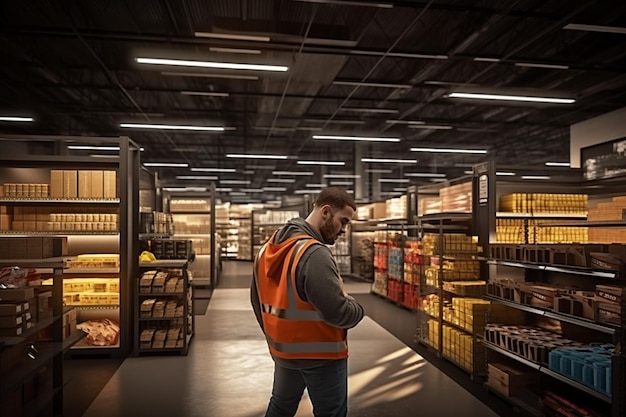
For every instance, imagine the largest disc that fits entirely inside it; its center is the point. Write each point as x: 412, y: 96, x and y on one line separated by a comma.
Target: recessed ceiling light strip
x: 389, y: 160
x: 355, y: 138
x: 302, y: 173
x: 449, y: 150
x: 341, y: 176
x: 351, y: 3
x: 196, y: 177
x: 166, y: 164
x: 15, y: 119
x: 282, y: 180
x: 425, y: 174
x: 172, y: 127
x: 235, y: 50
x: 213, y: 169
x: 328, y: 163
x: 558, y: 164
x: 207, y: 75
x: 232, y: 36
x: 369, y: 110
x: 535, y: 65
x: 204, y: 93
x: 596, y: 28
x: 211, y: 64
x: 253, y: 156
x: 504, y: 97
x: 374, y: 85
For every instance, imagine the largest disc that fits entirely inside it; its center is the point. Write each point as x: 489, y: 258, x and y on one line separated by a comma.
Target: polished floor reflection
x: 228, y: 372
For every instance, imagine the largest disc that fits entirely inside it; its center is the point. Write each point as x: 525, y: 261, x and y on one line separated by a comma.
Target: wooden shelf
x: 557, y: 268
x: 51, y: 200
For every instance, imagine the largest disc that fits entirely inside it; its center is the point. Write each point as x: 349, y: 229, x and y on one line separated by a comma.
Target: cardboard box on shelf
x: 608, y: 313
x: 56, y: 183
x: 609, y: 294
x: 84, y: 184
x: 109, y: 184
x: 10, y: 321
x: 508, y: 380
x: 6, y: 221
x: 97, y: 184
x: 10, y: 309
x: 70, y: 183
x: 17, y: 294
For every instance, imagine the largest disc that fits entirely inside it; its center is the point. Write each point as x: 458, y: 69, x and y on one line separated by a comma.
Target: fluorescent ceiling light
x: 211, y: 64
x: 329, y: 163
x: 248, y: 172
x: 369, y: 110
x: 468, y: 172
x: 341, y: 176
x: 204, y: 93
x: 282, y: 180
x: 207, y: 75
x: 315, y: 185
x: 336, y: 121
x: 534, y: 65
x: 306, y: 191
x: 104, y: 156
x: 237, y: 193
x: 292, y: 172
x: 356, y: 138
x: 438, y: 180
x: 276, y: 189
x: 513, y: 98
x: 213, y: 169
x: 505, y: 174
x: 15, y: 119
x: 252, y: 156
x: 375, y: 85
x: 260, y: 166
x: 196, y: 177
x: 196, y: 189
x: 235, y: 50
x: 535, y: 177
x: 387, y: 160
x: 558, y: 164
x: 232, y: 36
x: 400, y: 189
x: 394, y: 180
x: 172, y: 127
x: 378, y: 171
x: 165, y: 164
x: 448, y: 83
x: 595, y: 28
x: 223, y: 190
x: 485, y: 59
x: 251, y: 190
x: 430, y: 127
x: 93, y: 148
x: 234, y: 182
x: 404, y: 122
x: 448, y: 150
x: 344, y: 183
x: 351, y: 3
x: 425, y: 174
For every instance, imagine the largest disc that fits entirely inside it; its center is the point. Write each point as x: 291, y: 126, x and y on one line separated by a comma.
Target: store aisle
x: 228, y: 371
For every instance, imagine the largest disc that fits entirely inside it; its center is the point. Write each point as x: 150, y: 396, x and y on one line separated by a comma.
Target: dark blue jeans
x: 327, y: 386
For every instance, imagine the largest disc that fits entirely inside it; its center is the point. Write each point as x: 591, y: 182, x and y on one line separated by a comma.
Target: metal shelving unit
x: 124, y: 241
x: 185, y: 296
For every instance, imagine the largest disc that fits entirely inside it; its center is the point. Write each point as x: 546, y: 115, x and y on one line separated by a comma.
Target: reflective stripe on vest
x: 321, y: 347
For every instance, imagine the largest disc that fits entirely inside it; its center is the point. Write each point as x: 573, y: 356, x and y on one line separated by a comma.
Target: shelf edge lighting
x: 211, y: 64
x: 16, y: 119
x: 172, y: 127
x: 449, y: 150
x: 356, y: 138
x: 503, y: 97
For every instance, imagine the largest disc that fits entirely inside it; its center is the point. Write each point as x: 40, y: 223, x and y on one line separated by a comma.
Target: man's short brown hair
x: 336, y: 197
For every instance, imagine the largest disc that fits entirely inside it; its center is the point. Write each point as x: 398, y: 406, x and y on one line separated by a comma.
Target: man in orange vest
x: 298, y: 297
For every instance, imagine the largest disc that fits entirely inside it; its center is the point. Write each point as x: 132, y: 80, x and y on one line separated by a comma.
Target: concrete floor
x: 228, y: 371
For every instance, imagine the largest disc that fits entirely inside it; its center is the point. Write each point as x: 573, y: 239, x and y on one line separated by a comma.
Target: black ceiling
x: 71, y: 65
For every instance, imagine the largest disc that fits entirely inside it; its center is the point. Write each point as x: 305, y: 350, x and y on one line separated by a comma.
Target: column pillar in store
x: 359, y: 171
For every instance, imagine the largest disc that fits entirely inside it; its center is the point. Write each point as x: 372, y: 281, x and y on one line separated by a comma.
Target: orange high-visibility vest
x: 292, y: 326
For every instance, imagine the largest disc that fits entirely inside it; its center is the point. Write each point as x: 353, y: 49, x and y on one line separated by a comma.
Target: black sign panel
x: 605, y: 160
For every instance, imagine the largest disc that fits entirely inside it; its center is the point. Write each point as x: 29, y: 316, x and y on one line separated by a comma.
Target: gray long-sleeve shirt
x: 318, y: 282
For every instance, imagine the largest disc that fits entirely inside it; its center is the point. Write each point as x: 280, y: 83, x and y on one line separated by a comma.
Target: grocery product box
x: 109, y: 184
x: 10, y: 321
x: 508, y: 380
x: 11, y: 309
x: 609, y: 294
x: 13, y: 331
x: 608, y: 313
x: 56, y: 183
x: 17, y: 294
x: 97, y: 184
x: 84, y: 184
x: 542, y: 296
x: 70, y: 183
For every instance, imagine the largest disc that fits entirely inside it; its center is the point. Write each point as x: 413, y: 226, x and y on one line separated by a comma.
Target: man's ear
x: 326, y: 211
